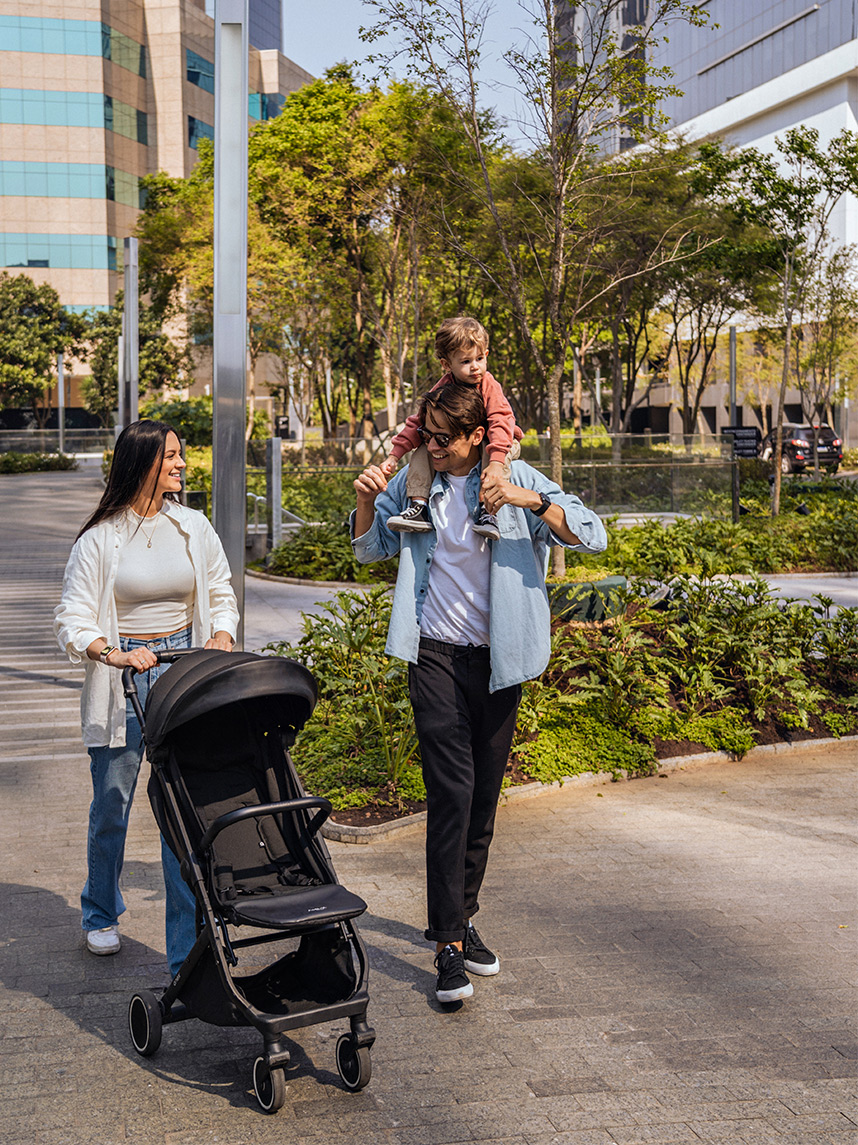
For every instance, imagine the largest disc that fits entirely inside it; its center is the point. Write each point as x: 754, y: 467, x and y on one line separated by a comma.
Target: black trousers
x: 465, y: 733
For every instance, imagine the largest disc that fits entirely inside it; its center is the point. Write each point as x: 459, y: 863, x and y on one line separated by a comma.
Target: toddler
x: 462, y: 345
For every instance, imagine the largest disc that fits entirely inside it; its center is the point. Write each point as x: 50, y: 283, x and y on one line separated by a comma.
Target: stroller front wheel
x: 145, y: 1020
x: 353, y: 1062
x: 269, y: 1085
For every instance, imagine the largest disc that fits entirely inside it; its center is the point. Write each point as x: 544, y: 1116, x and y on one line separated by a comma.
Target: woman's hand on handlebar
x: 221, y: 640
x: 141, y: 659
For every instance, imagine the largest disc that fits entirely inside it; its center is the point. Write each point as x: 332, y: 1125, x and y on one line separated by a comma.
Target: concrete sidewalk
x: 678, y: 954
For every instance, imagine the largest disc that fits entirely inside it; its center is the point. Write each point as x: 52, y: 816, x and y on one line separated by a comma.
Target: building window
x: 69, y: 181
x: 264, y: 105
x: 125, y: 120
x: 72, y: 38
x: 77, y: 252
x: 199, y: 71
x: 122, y: 50
x: 198, y: 130
x: 72, y: 109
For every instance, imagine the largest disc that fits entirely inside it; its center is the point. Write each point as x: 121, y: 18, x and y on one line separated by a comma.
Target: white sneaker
x: 104, y: 941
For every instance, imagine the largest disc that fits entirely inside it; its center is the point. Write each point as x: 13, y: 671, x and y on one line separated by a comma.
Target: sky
x: 319, y: 33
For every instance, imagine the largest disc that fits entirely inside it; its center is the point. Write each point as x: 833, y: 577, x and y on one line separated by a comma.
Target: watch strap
x: 546, y: 504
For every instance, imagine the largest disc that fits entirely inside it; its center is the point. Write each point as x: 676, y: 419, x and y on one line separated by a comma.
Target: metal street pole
x: 61, y: 404
x: 734, y: 467
x: 732, y: 375
x: 229, y: 500
x: 121, y: 403
x: 131, y: 330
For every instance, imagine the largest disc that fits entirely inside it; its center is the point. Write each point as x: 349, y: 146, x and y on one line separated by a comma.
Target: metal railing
x: 48, y: 440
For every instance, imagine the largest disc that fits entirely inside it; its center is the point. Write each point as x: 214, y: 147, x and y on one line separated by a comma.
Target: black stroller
x: 225, y: 794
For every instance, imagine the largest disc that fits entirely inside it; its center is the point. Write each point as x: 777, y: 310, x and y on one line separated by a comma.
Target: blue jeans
x: 114, y: 778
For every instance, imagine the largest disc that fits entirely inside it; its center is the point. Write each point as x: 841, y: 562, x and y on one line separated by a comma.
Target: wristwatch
x: 546, y: 504
x: 105, y: 652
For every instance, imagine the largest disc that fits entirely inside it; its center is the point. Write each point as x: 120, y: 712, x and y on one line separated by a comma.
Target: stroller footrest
x: 288, y: 907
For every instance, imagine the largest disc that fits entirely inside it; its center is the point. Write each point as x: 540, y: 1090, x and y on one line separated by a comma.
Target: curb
x: 345, y: 833
x: 309, y: 583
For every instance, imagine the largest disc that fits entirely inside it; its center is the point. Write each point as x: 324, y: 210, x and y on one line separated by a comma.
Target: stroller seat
x: 263, y: 871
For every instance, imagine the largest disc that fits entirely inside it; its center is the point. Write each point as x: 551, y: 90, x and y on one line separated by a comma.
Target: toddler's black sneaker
x: 487, y: 525
x: 415, y: 519
x: 477, y: 957
x: 452, y: 981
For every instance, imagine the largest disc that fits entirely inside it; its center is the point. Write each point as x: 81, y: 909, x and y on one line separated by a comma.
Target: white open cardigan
x: 87, y: 610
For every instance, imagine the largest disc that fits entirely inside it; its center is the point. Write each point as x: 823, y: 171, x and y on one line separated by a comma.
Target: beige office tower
x: 93, y: 96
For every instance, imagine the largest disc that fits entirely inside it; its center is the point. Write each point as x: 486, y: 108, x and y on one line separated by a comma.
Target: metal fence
x: 632, y: 473
x: 48, y: 440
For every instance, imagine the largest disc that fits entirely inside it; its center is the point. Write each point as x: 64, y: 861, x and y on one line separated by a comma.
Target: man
x: 471, y: 617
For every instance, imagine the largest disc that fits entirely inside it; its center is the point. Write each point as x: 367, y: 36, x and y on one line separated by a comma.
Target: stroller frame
x: 148, y: 1011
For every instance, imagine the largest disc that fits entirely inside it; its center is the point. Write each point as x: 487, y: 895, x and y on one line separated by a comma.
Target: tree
x: 586, y: 79
x: 794, y: 199
x: 824, y: 347
x: 161, y: 361
x: 34, y: 329
x: 759, y: 357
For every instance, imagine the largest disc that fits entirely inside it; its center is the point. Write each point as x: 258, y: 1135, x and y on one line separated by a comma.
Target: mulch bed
x: 768, y: 732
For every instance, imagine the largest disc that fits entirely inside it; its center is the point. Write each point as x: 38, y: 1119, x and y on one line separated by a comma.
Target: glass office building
x: 90, y: 105
x: 759, y: 69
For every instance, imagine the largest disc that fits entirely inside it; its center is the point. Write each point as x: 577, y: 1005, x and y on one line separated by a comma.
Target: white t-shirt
x: 456, y: 609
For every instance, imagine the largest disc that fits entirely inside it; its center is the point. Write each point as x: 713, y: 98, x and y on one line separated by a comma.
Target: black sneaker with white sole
x: 415, y: 519
x: 477, y: 957
x: 487, y: 525
x: 452, y: 982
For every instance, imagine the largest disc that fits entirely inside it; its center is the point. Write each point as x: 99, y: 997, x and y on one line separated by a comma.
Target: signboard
x: 746, y: 440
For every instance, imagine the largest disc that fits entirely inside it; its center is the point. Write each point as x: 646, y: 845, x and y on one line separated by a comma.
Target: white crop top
x: 154, y: 586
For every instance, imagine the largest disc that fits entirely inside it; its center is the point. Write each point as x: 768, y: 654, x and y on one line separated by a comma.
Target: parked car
x: 798, y: 448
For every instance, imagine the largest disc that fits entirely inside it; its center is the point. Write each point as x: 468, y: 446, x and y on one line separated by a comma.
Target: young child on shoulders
x: 462, y: 346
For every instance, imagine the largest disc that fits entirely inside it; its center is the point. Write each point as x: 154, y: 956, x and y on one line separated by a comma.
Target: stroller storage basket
x: 218, y: 727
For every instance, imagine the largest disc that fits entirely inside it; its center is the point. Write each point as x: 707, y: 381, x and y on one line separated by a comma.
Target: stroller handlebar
x: 324, y: 808
x: 128, y: 674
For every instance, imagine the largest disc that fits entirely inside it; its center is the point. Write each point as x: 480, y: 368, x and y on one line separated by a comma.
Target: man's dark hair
x: 461, y: 405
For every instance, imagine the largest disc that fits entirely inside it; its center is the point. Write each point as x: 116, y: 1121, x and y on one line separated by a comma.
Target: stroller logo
x: 311, y: 909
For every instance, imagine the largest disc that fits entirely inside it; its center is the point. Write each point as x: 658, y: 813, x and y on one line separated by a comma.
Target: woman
x: 146, y: 574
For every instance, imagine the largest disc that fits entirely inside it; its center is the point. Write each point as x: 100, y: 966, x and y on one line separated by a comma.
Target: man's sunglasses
x: 443, y: 439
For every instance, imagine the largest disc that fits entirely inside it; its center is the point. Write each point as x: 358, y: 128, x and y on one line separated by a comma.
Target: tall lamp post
x: 229, y: 500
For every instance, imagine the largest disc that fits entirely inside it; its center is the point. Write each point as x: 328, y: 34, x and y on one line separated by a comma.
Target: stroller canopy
x: 209, y: 679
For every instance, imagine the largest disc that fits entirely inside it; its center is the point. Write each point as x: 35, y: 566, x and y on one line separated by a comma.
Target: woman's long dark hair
x: 137, y: 449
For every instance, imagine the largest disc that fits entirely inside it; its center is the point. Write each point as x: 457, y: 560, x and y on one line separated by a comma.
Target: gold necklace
x: 149, y: 536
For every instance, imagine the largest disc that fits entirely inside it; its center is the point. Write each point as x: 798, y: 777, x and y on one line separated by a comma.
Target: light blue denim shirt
x: 520, y: 619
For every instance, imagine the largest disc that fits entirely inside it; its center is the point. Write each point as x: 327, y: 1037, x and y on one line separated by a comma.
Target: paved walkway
x: 678, y: 954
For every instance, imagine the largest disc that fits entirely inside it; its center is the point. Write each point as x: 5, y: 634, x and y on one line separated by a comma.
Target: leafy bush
x: 192, y: 418
x: 820, y: 537
x: 35, y: 462
x: 324, y: 552
x: 360, y: 743
x: 706, y: 665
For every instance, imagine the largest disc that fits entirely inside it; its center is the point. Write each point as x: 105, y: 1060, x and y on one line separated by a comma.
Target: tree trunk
x: 555, y: 454
x: 779, y: 436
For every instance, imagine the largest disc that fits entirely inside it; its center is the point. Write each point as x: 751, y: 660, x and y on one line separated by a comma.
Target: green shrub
x: 360, y: 743
x: 192, y: 418
x: 35, y: 462
x: 702, y: 666
x: 324, y: 552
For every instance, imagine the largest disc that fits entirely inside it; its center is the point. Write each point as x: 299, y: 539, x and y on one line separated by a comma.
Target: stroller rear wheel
x: 145, y: 1020
x: 353, y: 1063
x: 269, y: 1086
